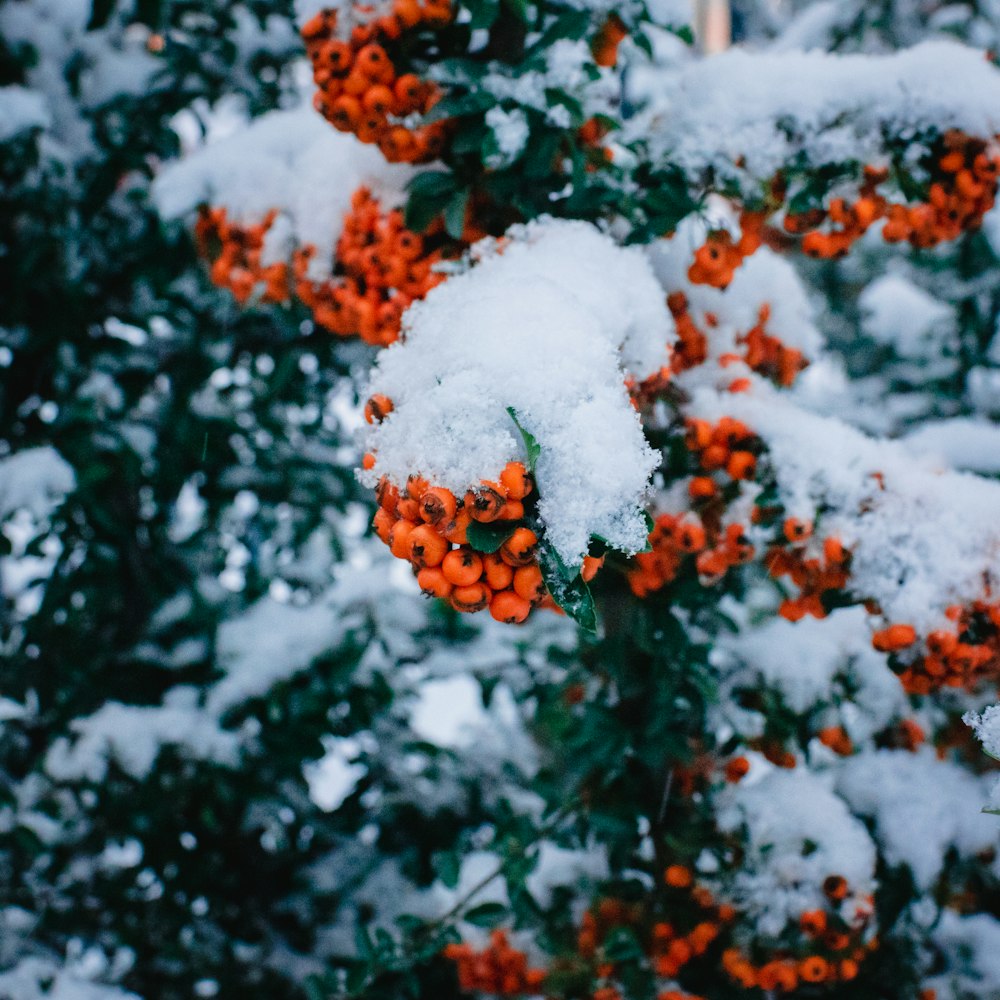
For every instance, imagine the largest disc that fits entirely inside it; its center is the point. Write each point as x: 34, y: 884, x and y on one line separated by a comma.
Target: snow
x: 132, y: 736
x: 21, y: 109
x: 543, y: 326
x: 922, y: 539
x: 802, y: 660
x: 898, y: 314
x: 34, y: 480
x: 921, y: 808
x: 783, y: 815
x: 766, y: 109
x: 971, y: 943
x: 764, y: 279
x: 959, y: 443
x: 292, y: 161
x: 41, y: 979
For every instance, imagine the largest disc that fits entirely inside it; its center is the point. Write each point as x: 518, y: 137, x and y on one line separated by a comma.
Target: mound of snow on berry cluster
x: 548, y: 323
x: 291, y: 161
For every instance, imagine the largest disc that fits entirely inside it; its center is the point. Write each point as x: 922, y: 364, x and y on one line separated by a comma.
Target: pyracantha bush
x: 332, y: 328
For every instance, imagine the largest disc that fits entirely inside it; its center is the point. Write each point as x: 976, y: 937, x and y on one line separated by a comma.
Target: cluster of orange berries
x: 949, y: 658
x: 427, y: 525
x: 675, y: 536
x: 962, y: 192
x: 843, y: 947
x: 236, y: 252
x: 498, y: 969
x: 380, y: 266
x: 715, y: 262
x: 359, y: 90
x: 728, y: 447
x: 767, y: 355
x: 814, y: 576
x: 383, y: 267
x: 853, y: 220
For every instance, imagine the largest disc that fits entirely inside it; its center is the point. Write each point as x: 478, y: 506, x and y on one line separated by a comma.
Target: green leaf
x: 431, y: 193
x: 454, y: 214
x: 484, y: 13
x: 621, y: 945
x: 447, y: 865
x: 486, y: 914
x: 519, y: 8
x: 532, y: 446
x: 567, y: 588
x: 489, y: 537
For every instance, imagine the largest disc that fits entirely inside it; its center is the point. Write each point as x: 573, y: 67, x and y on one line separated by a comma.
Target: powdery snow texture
x: 545, y: 324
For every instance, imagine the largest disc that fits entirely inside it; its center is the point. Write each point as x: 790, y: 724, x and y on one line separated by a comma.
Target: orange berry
x: 516, y: 481
x: 519, y: 549
x: 432, y: 581
x: 701, y: 488
x: 427, y: 547
x: 813, y: 922
x: 814, y: 969
x: 378, y: 408
x: 678, y: 876
x: 509, y: 607
x: 471, y: 598
x: 796, y: 530
x: 835, y: 886
x: 498, y: 575
x: 438, y: 505
x: 462, y: 567
x: 529, y: 584
x: 368, y: 461
x: 741, y: 465
x: 591, y: 564
x: 736, y: 769
x: 399, y: 538
x: 894, y: 638
x: 487, y: 502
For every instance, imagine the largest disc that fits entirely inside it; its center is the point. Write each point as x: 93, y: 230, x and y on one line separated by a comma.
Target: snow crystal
x: 987, y: 728
x: 292, y: 161
x: 922, y: 539
x: 764, y: 109
x: 542, y: 327
x: 921, y: 807
x: 798, y: 833
x: 21, y: 109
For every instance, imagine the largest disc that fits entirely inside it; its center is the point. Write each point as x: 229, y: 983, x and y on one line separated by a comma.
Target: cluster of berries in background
x: 380, y: 267
x: 960, y: 190
x: 961, y: 657
x: 360, y: 89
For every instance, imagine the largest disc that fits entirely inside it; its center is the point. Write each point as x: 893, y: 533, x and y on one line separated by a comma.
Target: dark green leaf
x: 454, y: 214
x: 567, y: 588
x: 530, y: 443
x: 489, y: 537
x: 486, y: 914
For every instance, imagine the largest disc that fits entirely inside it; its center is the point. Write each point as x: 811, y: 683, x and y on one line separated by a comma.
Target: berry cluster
x: 816, y: 576
x: 767, y: 355
x: 675, y: 536
x: 361, y: 91
x: 961, y: 657
x: 715, y: 262
x: 380, y: 267
x: 428, y: 526
x: 236, y: 254
x: 835, y: 948
x: 499, y: 969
